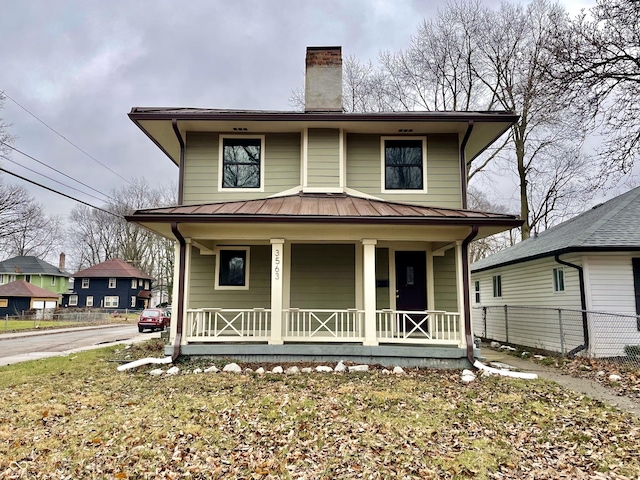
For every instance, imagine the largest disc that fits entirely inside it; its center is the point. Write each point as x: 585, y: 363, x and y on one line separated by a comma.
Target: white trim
x: 82, y: 283
x: 383, y: 188
x: 88, y: 302
x: 341, y: 158
x: 286, y: 193
x: 392, y: 278
x: 277, y: 290
x: 322, y: 189
x: 305, y: 155
x: 221, y: 158
x: 369, y: 287
x: 115, y: 282
x: 359, y: 280
x: 112, y: 303
x: 246, y: 268
x: 358, y: 193
x: 73, y: 300
x: 440, y: 252
x: 203, y: 249
x: 555, y: 282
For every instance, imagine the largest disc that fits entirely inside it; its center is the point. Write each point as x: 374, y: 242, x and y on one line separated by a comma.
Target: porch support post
x: 369, y: 283
x: 277, y: 290
x: 460, y: 286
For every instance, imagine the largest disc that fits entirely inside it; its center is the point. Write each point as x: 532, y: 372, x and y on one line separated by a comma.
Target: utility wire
x: 59, y: 193
x: 57, y: 171
x: 3, y: 92
x: 49, y: 178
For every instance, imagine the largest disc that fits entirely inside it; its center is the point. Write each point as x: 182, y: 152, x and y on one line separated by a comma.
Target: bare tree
x: 5, y: 137
x: 598, y: 60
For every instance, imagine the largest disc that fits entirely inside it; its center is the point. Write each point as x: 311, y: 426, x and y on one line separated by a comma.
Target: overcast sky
x: 81, y: 65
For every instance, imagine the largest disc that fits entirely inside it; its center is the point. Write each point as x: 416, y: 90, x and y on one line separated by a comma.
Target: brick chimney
x: 61, y: 264
x: 323, y: 80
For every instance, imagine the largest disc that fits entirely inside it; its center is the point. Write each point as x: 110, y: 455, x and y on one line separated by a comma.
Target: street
x: 27, y: 346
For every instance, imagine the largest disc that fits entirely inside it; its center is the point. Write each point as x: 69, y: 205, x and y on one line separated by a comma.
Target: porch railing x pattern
x: 318, y: 325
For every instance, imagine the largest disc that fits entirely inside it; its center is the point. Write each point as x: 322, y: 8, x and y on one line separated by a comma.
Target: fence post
x: 561, y: 331
x: 506, y: 324
x: 6, y: 322
x: 484, y: 318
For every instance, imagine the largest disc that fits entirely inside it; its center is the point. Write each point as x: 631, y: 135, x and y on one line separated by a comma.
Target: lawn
x: 77, y: 417
x: 20, y: 325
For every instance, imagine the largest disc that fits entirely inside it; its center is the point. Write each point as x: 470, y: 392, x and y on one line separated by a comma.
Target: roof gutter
x: 174, y: 124
x: 583, y: 306
x: 463, y: 164
x: 466, y: 293
x: 181, y: 267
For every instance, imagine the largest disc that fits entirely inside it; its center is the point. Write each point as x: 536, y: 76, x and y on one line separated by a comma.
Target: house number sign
x: 276, y: 264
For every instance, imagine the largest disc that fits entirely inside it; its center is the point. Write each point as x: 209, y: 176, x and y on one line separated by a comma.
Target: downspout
x: 176, y: 130
x: 463, y: 164
x: 181, y: 273
x: 466, y: 293
x: 583, y: 305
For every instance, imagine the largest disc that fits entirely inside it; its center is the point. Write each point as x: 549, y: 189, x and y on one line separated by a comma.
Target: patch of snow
x: 173, y: 371
x: 143, y: 361
x: 539, y: 357
x: 505, y: 373
x: 323, y: 369
x: 398, y: 370
x: 211, y: 369
x: 340, y: 367
x: 614, y: 378
x: 156, y: 372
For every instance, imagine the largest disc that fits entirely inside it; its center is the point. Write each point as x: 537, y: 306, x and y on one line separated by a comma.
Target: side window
x: 497, y: 286
x: 134, y: 283
x: 133, y: 301
x: 53, y: 280
x: 476, y: 288
x: 558, y: 279
x: 73, y: 300
x: 146, y: 284
x: 404, y: 164
x: 112, y: 283
x: 89, y: 301
x: 232, y: 268
x: 241, y: 162
x: 85, y: 283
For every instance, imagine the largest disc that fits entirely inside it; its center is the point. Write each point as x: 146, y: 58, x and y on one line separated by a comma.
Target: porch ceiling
x: 325, y: 208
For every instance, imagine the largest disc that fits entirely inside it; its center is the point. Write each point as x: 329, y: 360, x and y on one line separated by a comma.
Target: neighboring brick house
x: 113, y: 284
x: 36, y: 272
x: 321, y: 234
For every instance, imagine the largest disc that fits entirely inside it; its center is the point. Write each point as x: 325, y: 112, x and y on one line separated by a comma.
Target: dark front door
x: 411, y: 289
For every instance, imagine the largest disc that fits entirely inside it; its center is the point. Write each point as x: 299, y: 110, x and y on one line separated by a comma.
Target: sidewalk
x: 53, y: 331
x: 588, y: 387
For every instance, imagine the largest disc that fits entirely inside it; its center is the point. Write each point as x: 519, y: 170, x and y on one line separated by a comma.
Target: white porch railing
x: 302, y: 325
x: 425, y: 327
x: 228, y: 325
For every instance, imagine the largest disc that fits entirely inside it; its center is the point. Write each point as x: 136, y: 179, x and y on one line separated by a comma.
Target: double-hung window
x: 85, y: 283
x: 404, y: 164
x: 497, y: 286
x: 232, y: 268
x: 241, y: 162
x: 558, y: 279
x: 476, y: 288
x: 112, y: 283
x: 111, y: 302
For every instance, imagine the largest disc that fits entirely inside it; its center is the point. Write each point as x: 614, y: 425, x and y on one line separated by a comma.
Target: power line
x: 57, y: 171
x: 59, y: 193
x: 49, y: 178
x: 3, y: 92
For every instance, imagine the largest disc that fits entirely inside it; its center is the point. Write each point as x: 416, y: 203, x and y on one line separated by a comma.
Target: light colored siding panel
x: 323, y: 276
x: 203, y: 294
x: 445, y: 289
x: 323, y: 158
x: 364, y: 171
x: 282, y: 168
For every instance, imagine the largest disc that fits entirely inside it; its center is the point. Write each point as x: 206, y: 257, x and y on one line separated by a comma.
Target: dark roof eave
x: 460, y: 221
x: 560, y: 251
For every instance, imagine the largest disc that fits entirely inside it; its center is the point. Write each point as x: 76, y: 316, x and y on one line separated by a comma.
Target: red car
x: 154, y: 319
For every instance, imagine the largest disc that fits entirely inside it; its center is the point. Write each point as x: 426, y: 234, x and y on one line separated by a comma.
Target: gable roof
x: 20, y: 288
x: 114, y: 268
x: 610, y: 226
x: 29, y: 265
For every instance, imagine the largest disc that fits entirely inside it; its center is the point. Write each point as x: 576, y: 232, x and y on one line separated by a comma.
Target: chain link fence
x: 61, y: 318
x: 562, y: 331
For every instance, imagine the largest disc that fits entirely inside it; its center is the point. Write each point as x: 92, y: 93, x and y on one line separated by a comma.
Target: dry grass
x: 76, y: 417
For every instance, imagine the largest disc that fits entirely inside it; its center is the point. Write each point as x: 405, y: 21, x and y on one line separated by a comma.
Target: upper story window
x: 404, y: 164
x: 112, y: 283
x: 241, y: 162
x: 558, y: 279
x: 497, y: 286
x: 85, y: 283
x: 134, y: 283
x: 53, y: 280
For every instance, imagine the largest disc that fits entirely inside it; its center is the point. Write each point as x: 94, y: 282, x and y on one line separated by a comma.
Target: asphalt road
x: 14, y: 349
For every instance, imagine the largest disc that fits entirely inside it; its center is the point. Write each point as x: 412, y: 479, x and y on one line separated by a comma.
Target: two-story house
x: 112, y: 284
x: 37, y: 272
x: 322, y: 235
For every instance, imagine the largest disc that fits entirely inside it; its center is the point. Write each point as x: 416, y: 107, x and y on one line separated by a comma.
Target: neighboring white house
x: 596, y: 254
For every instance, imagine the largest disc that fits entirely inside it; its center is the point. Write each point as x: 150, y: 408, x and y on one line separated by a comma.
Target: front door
x: 411, y: 289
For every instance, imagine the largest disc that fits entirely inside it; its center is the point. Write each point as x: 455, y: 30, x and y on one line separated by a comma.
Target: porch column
x: 277, y: 290
x: 369, y: 284
x: 460, y: 288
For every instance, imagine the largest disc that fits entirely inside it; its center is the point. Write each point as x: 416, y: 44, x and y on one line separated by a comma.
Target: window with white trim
x: 558, y: 279
x: 133, y: 301
x: 89, y: 301
x: 112, y: 283
x: 53, y: 280
x: 3, y: 279
x: 146, y: 284
x: 232, y: 268
x: 404, y: 164
x: 476, y: 288
x: 497, y: 286
x: 241, y: 162
x: 134, y: 283
x: 85, y: 283
x: 111, y: 302
x: 73, y: 300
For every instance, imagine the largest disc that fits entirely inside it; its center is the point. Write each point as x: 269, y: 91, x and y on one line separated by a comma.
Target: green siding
x: 323, y: 276
x: 323, y: 158
x: 445, y: 287
x: 364, y: 170
x: 44, y: 281
x: 382, y: 275
x: 202, y: 281
x: 281, y: 168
